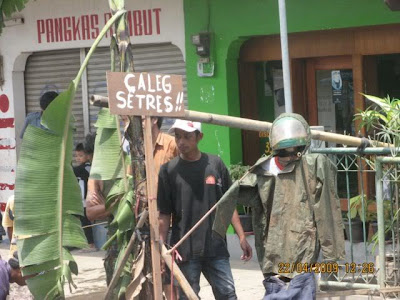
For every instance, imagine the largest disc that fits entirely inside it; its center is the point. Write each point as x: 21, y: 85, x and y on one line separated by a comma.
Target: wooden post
x: 153, y: 215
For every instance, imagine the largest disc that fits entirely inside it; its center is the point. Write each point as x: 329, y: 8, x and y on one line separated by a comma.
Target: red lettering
x: 49, y: 31
x: 75, y: 29
x: 94, y: 25
x: 67, y: 29
x: 85, y: 27
x: 137, y: 22
x: 58, y: 29
x: 107, y: 16
x: 7, y: 123
x: 157, y: 14
x: 130, y: 23
x: 40, y: 30
x: 147, y: 23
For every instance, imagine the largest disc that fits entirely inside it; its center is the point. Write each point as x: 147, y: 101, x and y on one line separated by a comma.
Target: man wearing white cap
x: 188, y: 186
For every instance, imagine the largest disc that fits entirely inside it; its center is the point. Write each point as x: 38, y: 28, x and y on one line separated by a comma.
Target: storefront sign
x: 144, y: 22
x: 145, y: 94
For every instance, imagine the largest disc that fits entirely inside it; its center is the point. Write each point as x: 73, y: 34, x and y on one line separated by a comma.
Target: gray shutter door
x: 53, y: 71
x: 155, y: 58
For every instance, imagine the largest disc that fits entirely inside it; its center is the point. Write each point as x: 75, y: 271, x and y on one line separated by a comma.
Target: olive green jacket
x: 295, y: 214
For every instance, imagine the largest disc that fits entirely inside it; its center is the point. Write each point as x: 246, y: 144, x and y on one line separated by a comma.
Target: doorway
x: 330, y: 92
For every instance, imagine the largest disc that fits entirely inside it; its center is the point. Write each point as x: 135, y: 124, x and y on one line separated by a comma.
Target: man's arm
x: 247, y: 251
x: 10, y: 232
x: 95, y: 202
x: 164, y: 221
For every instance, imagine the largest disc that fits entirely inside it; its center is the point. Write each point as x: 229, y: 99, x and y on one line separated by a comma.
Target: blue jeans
x: 218, y: 273
x: 301, y: 287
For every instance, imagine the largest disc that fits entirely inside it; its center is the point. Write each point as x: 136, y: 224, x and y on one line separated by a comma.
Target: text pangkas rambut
x: 147, y: 94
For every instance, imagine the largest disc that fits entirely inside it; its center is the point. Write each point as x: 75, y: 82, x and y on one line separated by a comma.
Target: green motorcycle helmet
x: 289, y: 130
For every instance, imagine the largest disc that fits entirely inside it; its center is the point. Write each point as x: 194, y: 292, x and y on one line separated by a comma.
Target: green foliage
x: 383, y: 117
x: 47, y: 196
x: 108, y: 164
x: 8, y: 7
x: 389, y: 222
x: 48, y: 202
x: 357, y: 206
x: 108, y: 156
x: 237, y: 171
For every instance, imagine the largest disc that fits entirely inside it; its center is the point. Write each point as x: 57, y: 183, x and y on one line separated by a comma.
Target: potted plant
x: 356, y: 216
x: 389, y: 223
x: 236, y: 172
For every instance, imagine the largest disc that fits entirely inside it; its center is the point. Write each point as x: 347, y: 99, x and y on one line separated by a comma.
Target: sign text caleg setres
x: 145, y: 94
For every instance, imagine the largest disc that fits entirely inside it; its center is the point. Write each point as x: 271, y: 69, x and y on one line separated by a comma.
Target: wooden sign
x: 145, y: 94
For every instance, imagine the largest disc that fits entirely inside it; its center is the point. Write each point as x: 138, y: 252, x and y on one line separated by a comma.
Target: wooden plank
x: 312, y: 103
x: 359, y: 102
x: 153, y: 215
x: 186, y: 287
x: 248, y: 109
x: 298, y: 75
x: 369, y: 40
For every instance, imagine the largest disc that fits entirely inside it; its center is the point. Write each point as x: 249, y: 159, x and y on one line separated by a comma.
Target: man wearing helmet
x: 295, y: 210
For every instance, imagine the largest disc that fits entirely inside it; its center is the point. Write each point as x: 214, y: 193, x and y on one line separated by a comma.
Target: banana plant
x: 47, y: 196
x: 8, y: 7
x: 120, y: 199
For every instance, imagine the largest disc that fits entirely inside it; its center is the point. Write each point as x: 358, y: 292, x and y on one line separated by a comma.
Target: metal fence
x: 372, y: 260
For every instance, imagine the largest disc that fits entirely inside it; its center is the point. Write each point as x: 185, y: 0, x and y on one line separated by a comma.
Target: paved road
x: 91, y: 278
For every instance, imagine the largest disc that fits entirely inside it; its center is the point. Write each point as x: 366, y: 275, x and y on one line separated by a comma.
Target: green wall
x: 232, y: 22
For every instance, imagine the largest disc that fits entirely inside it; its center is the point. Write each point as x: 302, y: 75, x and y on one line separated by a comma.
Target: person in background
x: 164, y: 150
x: 10, y: 272
x: 188, y: 186
x: 2, y: 231
x: 34, y: 118
x: 8, y: 224
x: 83, y: 157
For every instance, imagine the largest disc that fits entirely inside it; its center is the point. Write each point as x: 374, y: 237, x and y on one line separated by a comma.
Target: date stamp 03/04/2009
x: 327, y: 267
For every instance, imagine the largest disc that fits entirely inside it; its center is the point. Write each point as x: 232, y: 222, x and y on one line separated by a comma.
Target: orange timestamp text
x: 328, y: 267
x: 363, y: 268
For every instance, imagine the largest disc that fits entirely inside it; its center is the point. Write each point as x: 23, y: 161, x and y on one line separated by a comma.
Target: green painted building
x: 357, y: 39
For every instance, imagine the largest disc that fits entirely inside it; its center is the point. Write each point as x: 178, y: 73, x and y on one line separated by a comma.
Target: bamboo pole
x: 186, y: 288
x: 253, y: 125
x: 122, y: 262
x: 153, y: 215
x: 325, y: 295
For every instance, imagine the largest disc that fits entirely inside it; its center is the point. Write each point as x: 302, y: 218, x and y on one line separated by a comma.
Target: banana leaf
x: 7, y: 7
x: 108, y: 155
x: 47, y: 196
x: 48, y: 202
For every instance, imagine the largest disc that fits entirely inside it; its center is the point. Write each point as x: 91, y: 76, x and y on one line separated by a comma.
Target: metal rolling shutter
x: 156, y: 58
x: 53, y: 70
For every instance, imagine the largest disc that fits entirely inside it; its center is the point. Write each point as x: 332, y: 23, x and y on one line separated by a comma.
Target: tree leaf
x: 378, y: 101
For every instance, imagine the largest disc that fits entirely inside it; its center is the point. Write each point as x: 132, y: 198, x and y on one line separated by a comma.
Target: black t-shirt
x: 187, y: 190
x: 82, y: 174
